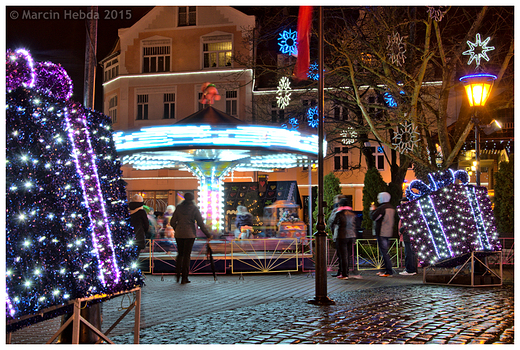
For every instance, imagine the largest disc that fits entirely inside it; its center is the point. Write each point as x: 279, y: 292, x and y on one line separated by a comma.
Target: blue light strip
x: 479, y: 220
x: 434, y: 225
x: 206, y: 135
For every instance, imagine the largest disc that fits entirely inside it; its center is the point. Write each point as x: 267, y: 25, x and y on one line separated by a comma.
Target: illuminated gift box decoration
x: 68, y: 232
x: 446, y: 220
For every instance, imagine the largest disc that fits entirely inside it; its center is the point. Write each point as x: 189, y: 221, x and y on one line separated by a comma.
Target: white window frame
x: 142, y: 100
x: 169, y: 100
x: 217, y: 38
x: 111, y: 69
x: 154, y: 49
x: 112, y: 108
x: 232, y: 102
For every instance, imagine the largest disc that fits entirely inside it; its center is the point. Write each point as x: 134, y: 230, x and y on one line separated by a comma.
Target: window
x: 340, y: 158
x: 340, y: 113
x: 187, y: 16
x: 142, y: 107
x: 169, y: 106
x: 201, y: 106
x: 217, y: 50
x: 111, y: 69
x: 231, y: 102
x: 156, y: 59
x: 379, y: 154
x: 112, y: 109
x: 277, y: 114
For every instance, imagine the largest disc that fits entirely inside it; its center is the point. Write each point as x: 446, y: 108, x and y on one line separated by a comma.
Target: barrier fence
x: 273, y: 255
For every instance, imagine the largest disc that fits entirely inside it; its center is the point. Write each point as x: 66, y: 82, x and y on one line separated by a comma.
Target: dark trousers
x: 184, y: 246
x: 384, y: 246
x: 344, y: 247
x: 410, y: 263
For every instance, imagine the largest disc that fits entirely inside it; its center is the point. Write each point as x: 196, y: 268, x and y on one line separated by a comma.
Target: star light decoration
x: 406, y: 137
x: 478, y: 50
x: 436, y: 12
x: 446, y: 220
x: 283, y: 93
x: 349, y: 136
x: 288, y: 42
x: 397, y: 49
x: 68, y: 232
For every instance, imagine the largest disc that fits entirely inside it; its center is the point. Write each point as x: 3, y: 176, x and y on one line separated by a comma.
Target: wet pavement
x: 274, y: 309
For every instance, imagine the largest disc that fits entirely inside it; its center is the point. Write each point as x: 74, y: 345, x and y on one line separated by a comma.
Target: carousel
x: 211, y: 144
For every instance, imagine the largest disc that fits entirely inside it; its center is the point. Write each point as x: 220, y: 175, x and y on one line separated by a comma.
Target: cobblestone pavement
x: 417, y: 314
x: 273, y: 309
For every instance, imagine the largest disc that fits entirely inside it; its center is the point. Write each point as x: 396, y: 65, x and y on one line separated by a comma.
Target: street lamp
x: 478, y: 88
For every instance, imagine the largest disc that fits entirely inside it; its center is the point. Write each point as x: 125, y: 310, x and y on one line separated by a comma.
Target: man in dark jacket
x: 383, y: 228
x: 343, y: 220
x: 139, y: 220
x: 183, y: 222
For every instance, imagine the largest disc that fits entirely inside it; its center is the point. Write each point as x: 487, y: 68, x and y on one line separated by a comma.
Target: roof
x: 210, y: 116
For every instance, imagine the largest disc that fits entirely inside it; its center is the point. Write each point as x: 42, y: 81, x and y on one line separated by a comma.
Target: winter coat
x: 243, y: 219
x: 139, y: 221
x: 342, y: 222
x: 184, y: 218
x: 384, y: 218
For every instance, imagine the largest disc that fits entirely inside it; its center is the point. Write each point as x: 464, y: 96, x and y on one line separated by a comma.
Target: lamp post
x: 478, y: 88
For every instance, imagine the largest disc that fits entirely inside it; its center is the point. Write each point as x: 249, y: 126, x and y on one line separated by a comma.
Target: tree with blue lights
x: 68, y: 232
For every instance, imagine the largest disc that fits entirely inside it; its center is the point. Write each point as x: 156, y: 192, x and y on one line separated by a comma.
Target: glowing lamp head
x: 478, y: 87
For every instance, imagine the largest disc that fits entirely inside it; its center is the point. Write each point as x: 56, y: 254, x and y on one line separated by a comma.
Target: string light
x: 64, y: 240
x: 445, y: 219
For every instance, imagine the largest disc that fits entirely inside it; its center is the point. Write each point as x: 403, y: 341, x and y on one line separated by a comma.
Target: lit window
x: 217, y: 51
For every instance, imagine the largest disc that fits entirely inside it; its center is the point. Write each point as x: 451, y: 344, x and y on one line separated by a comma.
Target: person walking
x: 183, y: 222
x: 344, y: 222
x: 383, y: 228
x: 335, y: 205
x: 139, y: 220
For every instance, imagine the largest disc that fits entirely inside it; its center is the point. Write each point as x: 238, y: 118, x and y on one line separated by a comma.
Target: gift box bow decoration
x: 445, y: 219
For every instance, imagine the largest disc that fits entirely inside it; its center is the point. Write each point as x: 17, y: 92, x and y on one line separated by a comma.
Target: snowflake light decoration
x: 312, y: 117
x: 349, y: 136
x: 288, y: 42
x: 481, y: 51
x: 283, y: 93
x: 436, y: 12
x: 406, y: 137
x: 396, y: 47
x: 293, y: 123
x: 313, y: 73
x: 390, y: 100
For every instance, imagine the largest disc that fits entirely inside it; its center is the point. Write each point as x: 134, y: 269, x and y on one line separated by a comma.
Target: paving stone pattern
x: 273, y: 309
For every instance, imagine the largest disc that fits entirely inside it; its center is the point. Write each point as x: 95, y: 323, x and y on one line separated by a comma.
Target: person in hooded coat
x: 183, y: 222
x: 139, y: 220
x: 383, y: 228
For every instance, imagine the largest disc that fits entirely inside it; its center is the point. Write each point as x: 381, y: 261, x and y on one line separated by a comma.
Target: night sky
x: 58, y: 34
